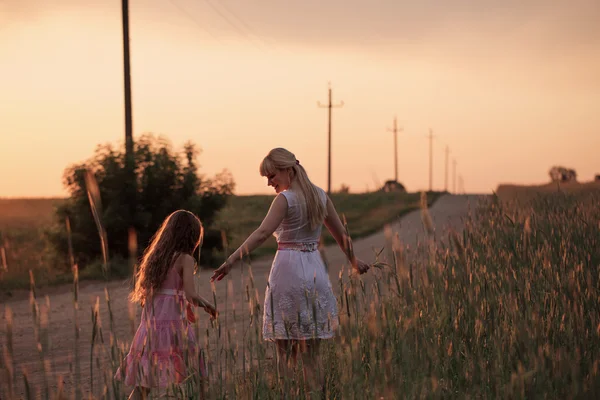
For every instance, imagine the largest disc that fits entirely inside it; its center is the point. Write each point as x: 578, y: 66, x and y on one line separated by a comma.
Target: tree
x: 562, y: 174
x: 393, y: 186
x: 166, y: 181
x: 344, y: 188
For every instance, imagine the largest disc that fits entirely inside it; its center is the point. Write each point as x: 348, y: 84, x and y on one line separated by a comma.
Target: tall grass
x: 509, y: 308
x: 24, y: 222
x: 23, y: 244
x: 366, y: 213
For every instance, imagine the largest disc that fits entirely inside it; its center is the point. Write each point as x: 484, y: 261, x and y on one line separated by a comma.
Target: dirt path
x: 448, y: 211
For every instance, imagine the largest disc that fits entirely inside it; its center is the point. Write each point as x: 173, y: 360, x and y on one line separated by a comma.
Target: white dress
x: 299, y: 300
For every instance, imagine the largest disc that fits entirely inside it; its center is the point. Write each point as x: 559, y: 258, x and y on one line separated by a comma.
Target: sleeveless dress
x: 299, y: 300
x: 164, y: 349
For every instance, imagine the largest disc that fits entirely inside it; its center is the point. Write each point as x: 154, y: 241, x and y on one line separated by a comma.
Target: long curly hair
x: 180, y: 233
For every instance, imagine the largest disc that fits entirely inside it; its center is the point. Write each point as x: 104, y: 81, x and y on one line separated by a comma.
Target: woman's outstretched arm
x: 271, y: 221
x: 335, y: 226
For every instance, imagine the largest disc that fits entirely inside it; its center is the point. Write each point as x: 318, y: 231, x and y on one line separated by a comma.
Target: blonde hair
x: 180, y: 233
x: 280, y: 159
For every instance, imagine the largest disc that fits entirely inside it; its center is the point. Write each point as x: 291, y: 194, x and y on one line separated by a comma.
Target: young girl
x: 164, y: 349
x: 300, y: 308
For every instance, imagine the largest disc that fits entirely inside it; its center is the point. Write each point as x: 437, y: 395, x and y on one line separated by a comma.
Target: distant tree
x: 393, y: 186
x: 562, y: 174
x: 556, y: 174
x: 344, y: 188
x: 166, y: 181
x: 597, y: 178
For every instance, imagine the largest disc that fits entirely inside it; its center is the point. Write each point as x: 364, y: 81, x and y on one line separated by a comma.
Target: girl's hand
x: 189, y: 312
x: 211, y: 310
x: 220, y: 272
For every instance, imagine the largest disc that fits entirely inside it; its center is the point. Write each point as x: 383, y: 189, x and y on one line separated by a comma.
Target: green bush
x: 165, y: 180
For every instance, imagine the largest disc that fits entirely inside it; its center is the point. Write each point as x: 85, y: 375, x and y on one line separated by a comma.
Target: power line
x: 195, y: 21
x: 232, y: 24
x: 246, y: 26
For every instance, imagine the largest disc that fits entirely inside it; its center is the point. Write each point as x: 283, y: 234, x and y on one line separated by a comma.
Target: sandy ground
x: 448, y: 211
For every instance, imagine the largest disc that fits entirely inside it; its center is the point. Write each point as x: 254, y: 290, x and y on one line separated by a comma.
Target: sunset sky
x: 512, y: 87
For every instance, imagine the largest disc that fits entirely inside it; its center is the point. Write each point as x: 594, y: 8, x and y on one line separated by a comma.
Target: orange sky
x: 512, y: 88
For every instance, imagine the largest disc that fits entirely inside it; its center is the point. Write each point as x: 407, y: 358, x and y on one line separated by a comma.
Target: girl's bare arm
x: 188, y: 264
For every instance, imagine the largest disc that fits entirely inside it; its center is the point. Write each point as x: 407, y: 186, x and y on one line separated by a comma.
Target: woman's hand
x: 220, y: 272
x: 360, y: 266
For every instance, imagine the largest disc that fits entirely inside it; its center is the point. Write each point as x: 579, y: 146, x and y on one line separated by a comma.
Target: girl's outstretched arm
x: 274, y: 217
x: 190, y: 290
x: 335, y: 226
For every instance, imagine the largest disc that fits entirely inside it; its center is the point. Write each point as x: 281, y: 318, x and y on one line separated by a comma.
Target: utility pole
x: 430, y: 136
x: 127, y: 79
x: 446, y: 170
x: 129, y: 157
x: 454, y: 176
x: 329, y: 106
x: 395, y: 130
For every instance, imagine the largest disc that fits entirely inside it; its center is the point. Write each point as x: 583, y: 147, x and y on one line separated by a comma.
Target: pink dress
x: 164, y: 349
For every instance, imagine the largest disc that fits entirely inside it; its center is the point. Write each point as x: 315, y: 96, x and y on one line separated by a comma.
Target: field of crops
x: 509, y: 309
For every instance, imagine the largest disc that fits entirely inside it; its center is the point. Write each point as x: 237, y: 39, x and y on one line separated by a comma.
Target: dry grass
x: 525, y: 193
x: 23, y: 242
x: 509, y: 310
x: 24, y: 213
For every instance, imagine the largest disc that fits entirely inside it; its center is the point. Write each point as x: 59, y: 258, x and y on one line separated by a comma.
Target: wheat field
x: 506, y: 308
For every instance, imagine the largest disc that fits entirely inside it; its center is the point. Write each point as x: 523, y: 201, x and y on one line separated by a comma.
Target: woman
x: 300, y: 308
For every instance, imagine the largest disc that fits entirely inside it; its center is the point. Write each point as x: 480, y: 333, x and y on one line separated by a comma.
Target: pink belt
x: 298, y: 246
